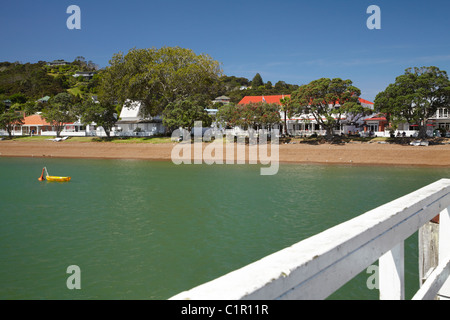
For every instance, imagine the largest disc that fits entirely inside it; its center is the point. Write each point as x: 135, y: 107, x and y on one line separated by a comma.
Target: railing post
x: 428, y: 249
x: 392, y: 273
x: 444, y: 249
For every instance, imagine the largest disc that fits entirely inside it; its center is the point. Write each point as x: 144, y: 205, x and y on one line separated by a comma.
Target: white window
x: 442, y: 113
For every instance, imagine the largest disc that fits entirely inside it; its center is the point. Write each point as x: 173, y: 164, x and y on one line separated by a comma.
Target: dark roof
x: 58, y: 61
x: 138, y: 121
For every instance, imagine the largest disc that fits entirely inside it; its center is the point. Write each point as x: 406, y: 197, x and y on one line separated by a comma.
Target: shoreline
x: 366, y: 154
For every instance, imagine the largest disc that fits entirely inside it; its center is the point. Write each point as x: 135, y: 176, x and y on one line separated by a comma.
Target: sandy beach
x: 355, y: 153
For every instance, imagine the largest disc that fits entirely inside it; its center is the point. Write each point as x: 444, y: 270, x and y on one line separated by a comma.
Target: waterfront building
x: 33, y: 125
x: 133, y: 122
x: 437, y: 125
x: 306, y: 124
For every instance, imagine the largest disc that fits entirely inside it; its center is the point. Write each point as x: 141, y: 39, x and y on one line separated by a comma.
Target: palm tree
x: 285, y: 108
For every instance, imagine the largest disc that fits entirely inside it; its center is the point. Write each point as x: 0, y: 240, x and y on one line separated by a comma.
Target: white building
x: 306, y: 124
x: 86, y: 75
x: 132, y: 121
x: 222, y: 99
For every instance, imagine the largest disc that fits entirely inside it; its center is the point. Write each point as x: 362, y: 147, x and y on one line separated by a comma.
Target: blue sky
x: 291, y: 40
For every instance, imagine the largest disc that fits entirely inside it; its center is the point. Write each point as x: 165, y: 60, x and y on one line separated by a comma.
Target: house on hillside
x: 44, y: 99
x: 59, y: 62
x: 222, y: 99
x: 87, y: 75
x: 7, y: 103
x: 132, y: 121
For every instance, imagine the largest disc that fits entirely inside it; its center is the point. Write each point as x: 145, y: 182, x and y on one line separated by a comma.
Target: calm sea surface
x: 149, y: 230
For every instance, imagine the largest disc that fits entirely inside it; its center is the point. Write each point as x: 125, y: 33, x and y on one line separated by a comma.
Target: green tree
x: 287, y: 110
x: 102, y: 113
x: 268, y: 86
x: 327, y: 100
x: 183, y: 114
x: 31, y: 107
x: 269, y: 115
x: 94, y: 83
x: 160, y: 77
x: 281, y: 86
x: 9, y: 119
x: 233, y: 82
x: 415, y: 96
x: 257, y: 81
x: 228, y: 115
x: 59, y: 111
x: 230, y: 86
x: 249, y: 116
x: 18, y: 98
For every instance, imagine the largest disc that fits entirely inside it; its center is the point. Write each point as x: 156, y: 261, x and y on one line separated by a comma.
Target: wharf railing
x: 316, y: 267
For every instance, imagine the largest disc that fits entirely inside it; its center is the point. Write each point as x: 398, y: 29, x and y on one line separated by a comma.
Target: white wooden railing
x: 316, y: 267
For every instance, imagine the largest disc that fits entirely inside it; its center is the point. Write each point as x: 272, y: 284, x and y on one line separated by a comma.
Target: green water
x: 149, y: 230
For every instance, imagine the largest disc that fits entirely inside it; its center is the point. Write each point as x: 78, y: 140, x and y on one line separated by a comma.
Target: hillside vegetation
x: 31, y: 81
x: 21, y: 82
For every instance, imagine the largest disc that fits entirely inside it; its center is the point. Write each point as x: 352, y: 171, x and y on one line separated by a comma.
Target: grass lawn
x: 160, y: 140
x: 29, y: 138
x: 152, y: 140
x: 43, y: 138
x: 75, y: 91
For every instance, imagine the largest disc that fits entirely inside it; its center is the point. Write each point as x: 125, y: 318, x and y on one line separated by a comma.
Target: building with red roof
x: 35, y: 124
x: 267, y: 99
x: 378, y: 124
x: 304, y: 124
x: 375, y: 123
x: 276, y: 99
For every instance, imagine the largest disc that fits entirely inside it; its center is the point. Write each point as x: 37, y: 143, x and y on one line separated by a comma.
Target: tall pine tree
x: 257, y: 81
